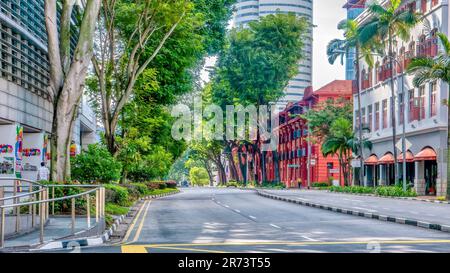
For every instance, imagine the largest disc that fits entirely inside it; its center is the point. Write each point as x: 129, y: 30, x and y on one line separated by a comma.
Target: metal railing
x: 38, y: 203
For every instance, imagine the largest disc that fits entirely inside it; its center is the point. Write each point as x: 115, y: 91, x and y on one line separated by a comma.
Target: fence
x: 36, y: 197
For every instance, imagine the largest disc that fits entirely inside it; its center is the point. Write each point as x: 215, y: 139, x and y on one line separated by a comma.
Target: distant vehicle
x: 184, y: 184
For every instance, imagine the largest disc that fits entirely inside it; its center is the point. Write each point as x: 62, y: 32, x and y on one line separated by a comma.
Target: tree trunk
x: 393, y: 119
x: 233, y: 170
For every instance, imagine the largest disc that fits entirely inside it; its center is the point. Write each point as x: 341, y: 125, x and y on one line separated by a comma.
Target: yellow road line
x: 133, y: 249
x: 130, y: 229
x: 191, y: 249
x: 302, y: 243
x: 141, y: 225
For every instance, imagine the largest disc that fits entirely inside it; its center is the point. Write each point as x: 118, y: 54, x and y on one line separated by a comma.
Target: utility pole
x: 308, y: 164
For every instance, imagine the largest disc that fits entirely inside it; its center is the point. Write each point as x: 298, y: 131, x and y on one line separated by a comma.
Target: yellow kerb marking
x: 133, y: 249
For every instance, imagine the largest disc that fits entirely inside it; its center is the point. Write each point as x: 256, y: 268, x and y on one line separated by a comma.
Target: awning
x: 426, y: 154
x: 386, y: 159
x: 409, y: 157
x: 371, y: 160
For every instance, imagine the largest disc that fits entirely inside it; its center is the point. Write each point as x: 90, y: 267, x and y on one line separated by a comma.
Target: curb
x: 98, y: 240
x: 386, y: 218
x: 393, y: 197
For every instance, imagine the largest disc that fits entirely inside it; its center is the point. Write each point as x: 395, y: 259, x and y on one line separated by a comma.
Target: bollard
x: 33, y: 210
x: 88, y: 210
x: 96, y: 205
x: 41, y: 223
x: 17, y: 209
x: 53, y: 202
x: 73, y: 216
x: 2, y: 227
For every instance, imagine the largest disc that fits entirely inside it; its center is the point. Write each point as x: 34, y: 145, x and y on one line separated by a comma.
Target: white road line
x: 238, y: 211
x: 253, y: 217
x: 310, y: 239
x: 303, y: 199
x: 275, y: 226
x: 227, y: 206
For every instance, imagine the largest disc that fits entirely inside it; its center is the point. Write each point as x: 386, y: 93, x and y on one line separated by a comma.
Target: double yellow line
x: 144, y: 208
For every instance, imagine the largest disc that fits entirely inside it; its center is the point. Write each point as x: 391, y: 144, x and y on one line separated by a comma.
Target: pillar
x: 419, y: 180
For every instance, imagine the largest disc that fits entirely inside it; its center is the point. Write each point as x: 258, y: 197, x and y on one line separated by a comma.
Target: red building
x: 293, y: 147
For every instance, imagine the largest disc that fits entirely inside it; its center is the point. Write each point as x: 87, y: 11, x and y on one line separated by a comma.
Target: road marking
x: 303, y: 199
x: 303, y: 243
x: 141, y: 225
x: 226, y: 206
x: 353, y: 200
x: 275, y: 226
x: 130, y: 229
x: 253, y: 217
x: 310, y: 239
x: 238, y: 211
x: 191, y: 249
x: 134, y: 249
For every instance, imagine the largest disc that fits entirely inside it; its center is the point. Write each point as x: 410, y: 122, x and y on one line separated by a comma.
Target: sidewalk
x: 56, y: 228
x: 425, y: 214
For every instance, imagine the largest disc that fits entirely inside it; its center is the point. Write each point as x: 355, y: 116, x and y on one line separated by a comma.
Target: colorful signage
x: 31, y: 152
x: 18, y: 151
x: 6, y: 149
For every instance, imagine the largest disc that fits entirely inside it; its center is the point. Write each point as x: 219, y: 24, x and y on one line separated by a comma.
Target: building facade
x: 251, y: 10
x: 354, y: 9
x: 299, y: 160
x: 419, y: 109
x: 26, y: 109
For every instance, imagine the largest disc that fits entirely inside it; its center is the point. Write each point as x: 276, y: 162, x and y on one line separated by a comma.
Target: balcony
x: 428, y: 48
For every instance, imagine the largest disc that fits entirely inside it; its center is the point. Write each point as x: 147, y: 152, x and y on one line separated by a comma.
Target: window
x: 423, y: 6
x: 385, y: 114
x: 356, y: 119
x: 434, y: 2
x: 422, y: 102
x: 370, y: 121
x: 433, y: 93
x: 413, y: 113
x: 401, y: 98
x: 377, y: 116
x: 363, y: 115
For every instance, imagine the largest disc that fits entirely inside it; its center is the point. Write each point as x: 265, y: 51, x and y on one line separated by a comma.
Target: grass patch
x: 114, y: 209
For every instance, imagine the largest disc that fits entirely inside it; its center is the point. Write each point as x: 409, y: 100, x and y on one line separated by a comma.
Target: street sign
x: 356, y: 163
x: 334, y: 171
x: 293, y: 166
x: 399, y: 146
x: 313, y: 162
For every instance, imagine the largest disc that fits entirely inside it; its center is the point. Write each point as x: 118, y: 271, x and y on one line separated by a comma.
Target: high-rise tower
x: 251, y: 10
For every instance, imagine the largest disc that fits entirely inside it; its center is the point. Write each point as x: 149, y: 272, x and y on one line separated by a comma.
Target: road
x: 231, y: 220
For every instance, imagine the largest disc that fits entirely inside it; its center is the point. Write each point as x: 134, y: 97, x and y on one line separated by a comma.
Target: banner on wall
x: 18, y: 154
x: 45, y: 152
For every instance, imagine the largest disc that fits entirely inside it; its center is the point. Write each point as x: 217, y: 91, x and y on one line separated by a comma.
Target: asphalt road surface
x: 205, y: 220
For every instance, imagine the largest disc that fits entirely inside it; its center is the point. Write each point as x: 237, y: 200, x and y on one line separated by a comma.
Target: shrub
x: 274, y: 185
x: 233, y: 184
x: 171, y: 184
x: 320, y: 184
x: 395, y: 191
x: 116, y: 194
x: 95, y: 165
x: 352, y: 189
x: 65, y: 206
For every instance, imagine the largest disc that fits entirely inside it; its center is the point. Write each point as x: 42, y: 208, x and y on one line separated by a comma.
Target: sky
x: 327, y: 14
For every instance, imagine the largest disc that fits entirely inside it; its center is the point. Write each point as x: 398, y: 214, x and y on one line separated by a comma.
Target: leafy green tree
x: 258, y: 63
x: 96, y: 165
x: 198, y: 176
x: 427, y: 69
x: 387, y: 23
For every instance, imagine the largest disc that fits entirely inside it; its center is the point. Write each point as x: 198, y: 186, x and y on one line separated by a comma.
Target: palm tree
x: 429, y: 69
x: 340, y: 48
x: 386, y: 23
x: 342, y: 142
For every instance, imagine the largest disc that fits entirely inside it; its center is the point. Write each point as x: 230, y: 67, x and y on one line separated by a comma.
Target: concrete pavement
x: 232, y: 220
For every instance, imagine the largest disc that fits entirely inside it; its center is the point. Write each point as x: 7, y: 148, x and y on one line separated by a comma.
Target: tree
x: 386, y: 24
x: 427, y: 69
x: 339, y: 48
x: 198, y: 176
x: 256, y: 66
x: 342, y: 142
x: 158, y: 39
x: 68, y: 69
